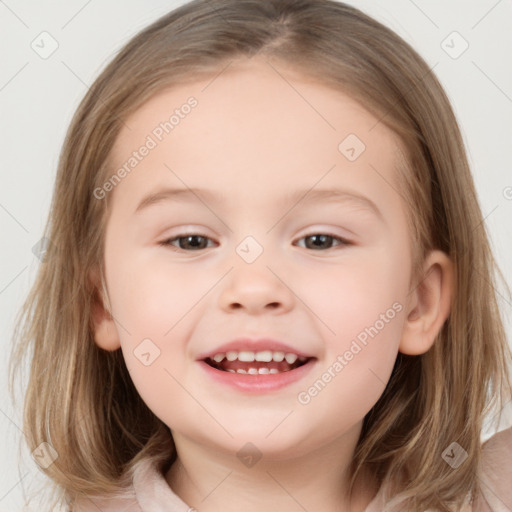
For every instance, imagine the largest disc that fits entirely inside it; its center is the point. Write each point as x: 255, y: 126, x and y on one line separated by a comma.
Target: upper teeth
x: 264, y: 356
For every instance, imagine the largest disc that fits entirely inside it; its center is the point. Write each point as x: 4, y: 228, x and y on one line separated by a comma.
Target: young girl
x: 267, y: 283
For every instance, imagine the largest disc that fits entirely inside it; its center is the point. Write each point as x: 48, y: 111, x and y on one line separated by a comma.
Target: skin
x: 252, y: 139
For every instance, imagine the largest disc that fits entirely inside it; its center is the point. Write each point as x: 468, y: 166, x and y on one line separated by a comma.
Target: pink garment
x: 151, y: 493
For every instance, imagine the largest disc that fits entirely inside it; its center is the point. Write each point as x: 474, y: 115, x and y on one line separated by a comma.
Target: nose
x: 257, y: 289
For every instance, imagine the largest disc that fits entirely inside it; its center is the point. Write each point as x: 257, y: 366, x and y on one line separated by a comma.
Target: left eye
x: 320, y: 240
x: 195, y: 241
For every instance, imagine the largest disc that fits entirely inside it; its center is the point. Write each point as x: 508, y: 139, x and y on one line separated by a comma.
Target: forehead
x: 251, y: 128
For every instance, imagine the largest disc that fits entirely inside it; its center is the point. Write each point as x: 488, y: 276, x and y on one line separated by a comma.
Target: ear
x: 429, y: 304
x: 103, y: 325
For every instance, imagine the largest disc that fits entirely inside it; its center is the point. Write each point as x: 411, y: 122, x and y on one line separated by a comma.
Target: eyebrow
x: 299, y: 196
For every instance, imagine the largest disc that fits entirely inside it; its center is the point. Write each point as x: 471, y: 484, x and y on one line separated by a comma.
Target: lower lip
x: 260, y: 383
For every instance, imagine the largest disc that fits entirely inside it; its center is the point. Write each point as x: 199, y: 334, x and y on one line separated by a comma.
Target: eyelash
x: 168, y: 242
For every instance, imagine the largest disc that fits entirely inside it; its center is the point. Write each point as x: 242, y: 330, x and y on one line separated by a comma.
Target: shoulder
x: 496, y: 474
x: 495, y: 479
x: 106, y: 504
x: 125, y: 500
x: 148, y: 492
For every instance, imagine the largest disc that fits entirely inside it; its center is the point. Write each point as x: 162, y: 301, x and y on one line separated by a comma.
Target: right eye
x: 186, y: 242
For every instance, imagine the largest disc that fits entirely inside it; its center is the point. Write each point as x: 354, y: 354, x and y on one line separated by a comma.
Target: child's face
x: 261, y: 147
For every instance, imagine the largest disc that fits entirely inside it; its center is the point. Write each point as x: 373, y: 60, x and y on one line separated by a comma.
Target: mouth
x: 256, y: 366
x: 266, y: 362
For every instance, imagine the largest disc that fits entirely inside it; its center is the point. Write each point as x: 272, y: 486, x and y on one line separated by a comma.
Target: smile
x: 265, y: 362
x: 257, y: 372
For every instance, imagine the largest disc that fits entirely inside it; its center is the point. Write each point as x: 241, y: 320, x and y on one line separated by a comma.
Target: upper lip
x: 253, y: 345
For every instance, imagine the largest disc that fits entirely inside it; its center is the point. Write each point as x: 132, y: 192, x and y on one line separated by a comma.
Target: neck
x: 318, y: 480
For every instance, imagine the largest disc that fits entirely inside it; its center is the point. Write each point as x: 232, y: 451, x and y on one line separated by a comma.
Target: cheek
x: 354, y: 373
x: 362, y: 312
x: 150, y: 298
x: 158, y: 384
x: 152, y: 306
x: 352, y: 295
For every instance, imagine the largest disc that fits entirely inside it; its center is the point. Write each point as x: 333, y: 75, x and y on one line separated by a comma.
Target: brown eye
x: 188, y: 242
x: 320, y: 241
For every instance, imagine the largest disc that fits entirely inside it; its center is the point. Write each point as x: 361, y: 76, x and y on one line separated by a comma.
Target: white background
x: 38, y: 97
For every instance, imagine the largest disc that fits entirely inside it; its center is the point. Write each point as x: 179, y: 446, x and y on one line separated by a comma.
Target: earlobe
x: 429, y: 304
x: 103, y: 325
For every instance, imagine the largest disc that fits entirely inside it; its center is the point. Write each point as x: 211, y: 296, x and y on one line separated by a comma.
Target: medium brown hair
x: 81, y: 400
